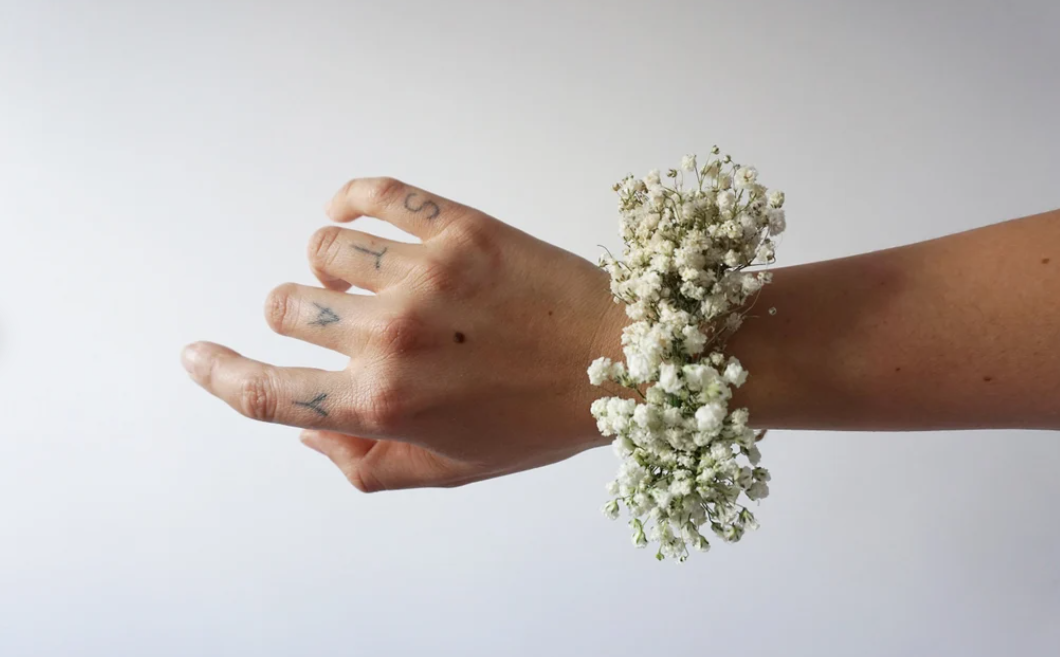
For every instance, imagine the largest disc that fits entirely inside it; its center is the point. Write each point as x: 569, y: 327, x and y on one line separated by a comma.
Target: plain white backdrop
x: 163, y: 164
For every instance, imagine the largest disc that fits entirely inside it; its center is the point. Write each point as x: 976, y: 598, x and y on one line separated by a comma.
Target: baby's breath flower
x: 686, y: 460
x: 735, y: 373
x: 600, y: 371
x: 777, y: 222
x: 745, y: 177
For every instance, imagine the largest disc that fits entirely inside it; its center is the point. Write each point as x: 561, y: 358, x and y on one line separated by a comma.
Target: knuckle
x: 258, y: 397
x: 439, y: 276
x: 384, y: 406
x: 281, y: 308
x: 364, y: 480
x: 384, y: 190
x: 324, y: 246
x: 398, y: 336
x: 478, y: 237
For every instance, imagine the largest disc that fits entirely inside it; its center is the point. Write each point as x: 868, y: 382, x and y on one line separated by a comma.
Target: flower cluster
x: 686, y: 459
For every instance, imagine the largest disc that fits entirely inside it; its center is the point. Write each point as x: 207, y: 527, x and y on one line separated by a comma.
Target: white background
x: 162, y: 165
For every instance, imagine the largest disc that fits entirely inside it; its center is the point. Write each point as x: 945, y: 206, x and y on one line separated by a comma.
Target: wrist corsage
x: 688, y: 460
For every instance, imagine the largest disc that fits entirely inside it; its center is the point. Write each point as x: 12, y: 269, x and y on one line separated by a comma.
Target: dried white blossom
x: 686, y: 458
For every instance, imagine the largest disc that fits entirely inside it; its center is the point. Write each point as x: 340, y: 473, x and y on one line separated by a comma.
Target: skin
x: 468, y: 361
x: 959, y: 332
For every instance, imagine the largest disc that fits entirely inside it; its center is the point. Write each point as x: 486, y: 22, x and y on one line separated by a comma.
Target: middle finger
x: 341, y: 257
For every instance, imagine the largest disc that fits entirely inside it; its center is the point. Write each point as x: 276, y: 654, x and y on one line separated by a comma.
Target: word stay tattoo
x: 378, y: 254
x: 430, y: 206
x: 314, y: 404
x: 325, y: 316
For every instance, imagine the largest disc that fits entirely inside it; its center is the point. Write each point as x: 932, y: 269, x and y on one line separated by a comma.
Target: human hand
x: 468, y: 362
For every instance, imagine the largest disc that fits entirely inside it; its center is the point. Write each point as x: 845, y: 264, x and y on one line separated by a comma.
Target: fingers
x: 294, y: 396
x: 377, y: 465
x: 411, y: 209
x: 340, y: 257
x: 332, y: 320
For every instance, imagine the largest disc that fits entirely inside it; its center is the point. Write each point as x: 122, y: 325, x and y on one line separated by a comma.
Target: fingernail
x: 193, y: 359
x: 327, y: 207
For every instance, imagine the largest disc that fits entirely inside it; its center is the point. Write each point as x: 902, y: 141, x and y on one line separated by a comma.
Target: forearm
x: 955, y: 333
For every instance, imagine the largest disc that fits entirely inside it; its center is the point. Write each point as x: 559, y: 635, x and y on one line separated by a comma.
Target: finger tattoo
x: 378, y: 254
x: 325, y: 316
x: 315, y: 404
x: 431, y: 207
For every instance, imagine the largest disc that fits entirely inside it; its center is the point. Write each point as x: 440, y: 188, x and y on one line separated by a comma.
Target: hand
x: 468, y: 362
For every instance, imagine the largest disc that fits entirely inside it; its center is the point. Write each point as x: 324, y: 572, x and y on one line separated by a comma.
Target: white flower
x: 662, y: 496
x: 692, y: 291
x: 749, y: 520
x: 646, y: 416
x: 731, y: 230
x: 656, y: 196
x: 648, y: 285
x: 685, y: 459
x: 668, y: 379
x: 759, y: 490
x: 656, y: 395
x: 745, y: 177
x: 640, y: 366
x: 751, y: 283
x: 710, y: 416
x: 639, y: 540
x: 694, y: 340
x: 660, y: 263
x: 721, y: 452
x: 754, y: 455
x: 735, y: 373
x: 777, y: 222
x: 745, y: 477
x: 599, y: 371
x: 690, y: 257
x: 681, y: 487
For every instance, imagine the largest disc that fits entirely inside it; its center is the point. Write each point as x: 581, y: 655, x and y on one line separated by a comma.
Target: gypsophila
x: 687, y: 460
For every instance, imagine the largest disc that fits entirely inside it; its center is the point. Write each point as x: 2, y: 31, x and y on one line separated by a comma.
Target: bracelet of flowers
x: 687, y: 460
